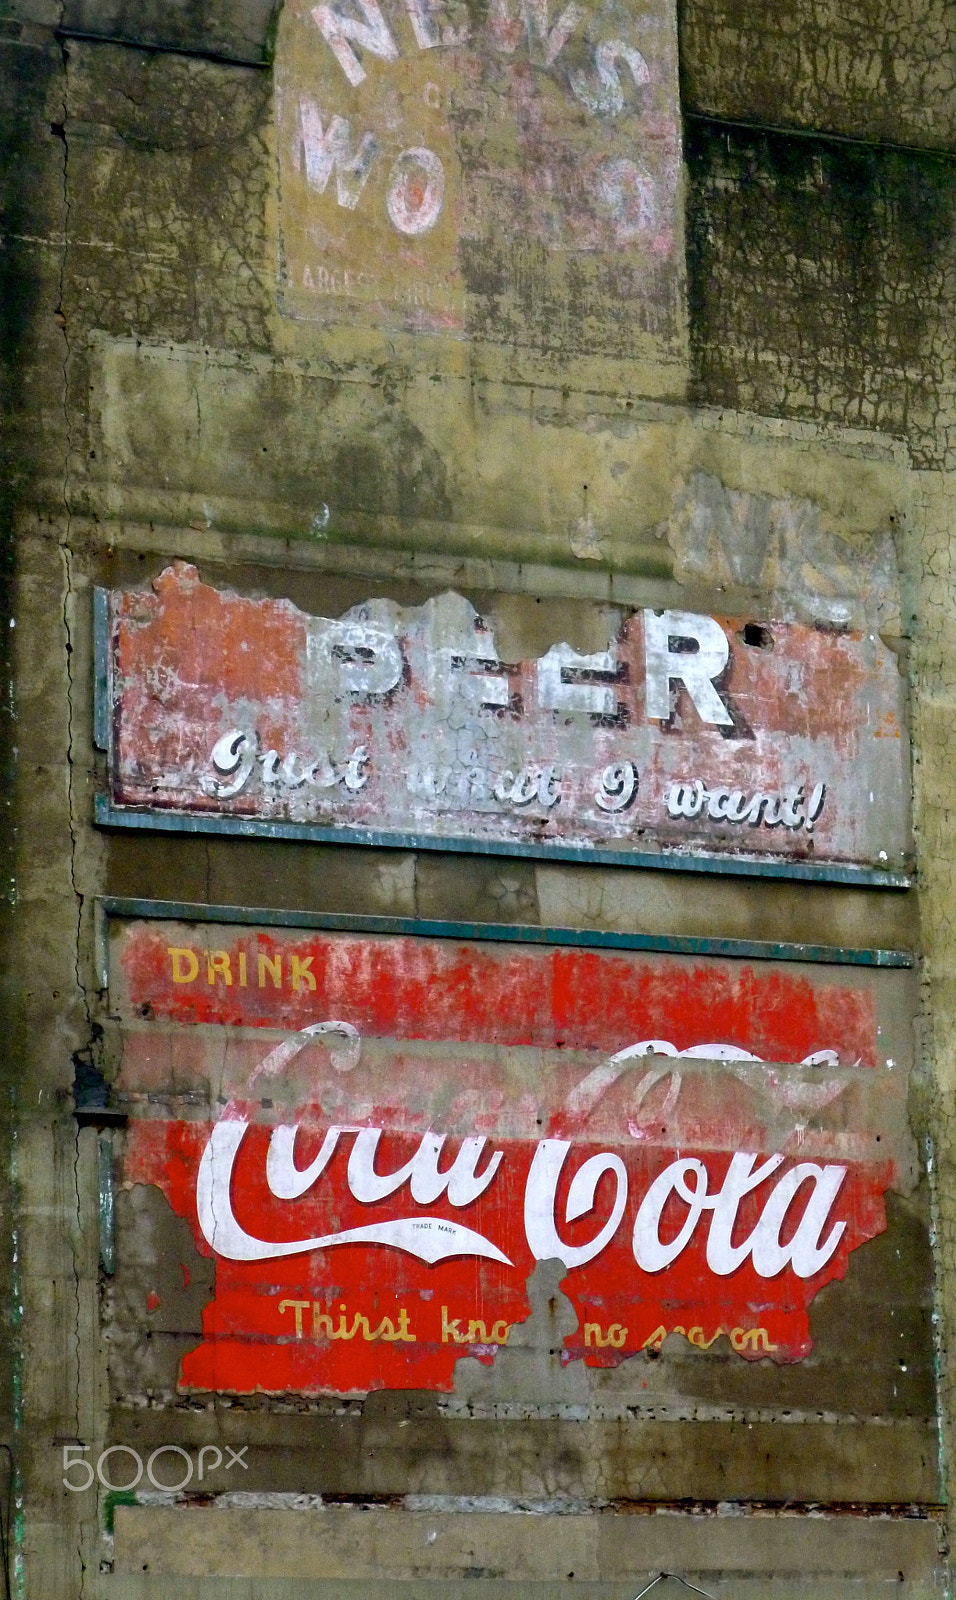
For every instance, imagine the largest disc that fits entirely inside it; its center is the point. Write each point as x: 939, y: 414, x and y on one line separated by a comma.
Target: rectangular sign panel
x: 377, y: 1139
x: 501, y: 171
x: 686, y: 738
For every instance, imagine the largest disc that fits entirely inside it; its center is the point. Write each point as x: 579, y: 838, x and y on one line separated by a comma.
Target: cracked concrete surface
x: 874, y: 71
x: 823, y: 278
x: 138, y: 283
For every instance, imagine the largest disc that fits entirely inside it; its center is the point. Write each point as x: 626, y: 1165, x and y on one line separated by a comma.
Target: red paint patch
x: 514, y: 1046
x: 448, y: 989
x: 313, y: 1322
x: 380, y: 724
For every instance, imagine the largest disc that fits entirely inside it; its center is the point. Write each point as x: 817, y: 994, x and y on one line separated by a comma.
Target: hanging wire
x: 677, y: 1579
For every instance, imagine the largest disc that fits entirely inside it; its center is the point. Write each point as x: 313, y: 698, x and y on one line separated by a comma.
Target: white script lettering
x: 433, y: 1239
x: 789, y: 807
x: 803, y: 1252
x: 235, y: 753
x: 540, y: 1197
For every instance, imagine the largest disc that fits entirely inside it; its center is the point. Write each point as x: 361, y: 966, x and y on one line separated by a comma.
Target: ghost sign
x: 376, y: 1139
x: 511, y: 171
x: 685, y: 739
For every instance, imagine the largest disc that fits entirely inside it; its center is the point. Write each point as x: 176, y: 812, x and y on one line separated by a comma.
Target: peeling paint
x: 710, y: 736
x: 375, y: 1189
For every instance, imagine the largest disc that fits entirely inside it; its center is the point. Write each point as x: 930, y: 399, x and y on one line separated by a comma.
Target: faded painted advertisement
x: 515, y: 157
x: 696, y: 735
x: 376, y: 1139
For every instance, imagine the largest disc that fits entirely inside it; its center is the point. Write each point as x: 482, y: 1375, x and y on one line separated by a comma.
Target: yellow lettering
x: 616, y: 1335
x: 242, y: 969
x: 474, y: 1337
x: 450, y: 1329
x: 324, y: 1327
x: 274, y: 968
x: 303, y: 969
x: 751, y: 1339
x: 502, y: 1337
x: 321, y: 1322
x: 656, y: 1339
x: 297, y: 1307
x: 182, y: 973
x: 217, y: 961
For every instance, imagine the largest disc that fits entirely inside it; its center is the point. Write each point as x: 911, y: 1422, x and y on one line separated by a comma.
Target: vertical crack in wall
x: 59, y: 130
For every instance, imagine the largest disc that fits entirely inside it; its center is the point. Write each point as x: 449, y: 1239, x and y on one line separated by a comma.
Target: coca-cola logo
x: 432, y: 1120
x: 807, y: 1191
x: 364, y: 1250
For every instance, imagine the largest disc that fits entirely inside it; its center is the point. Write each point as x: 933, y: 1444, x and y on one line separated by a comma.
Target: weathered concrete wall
x: 822, y: 281
x: 39, y: 1286
x: 880, y: 73
x: 232, y: 30
x: 158, y: 404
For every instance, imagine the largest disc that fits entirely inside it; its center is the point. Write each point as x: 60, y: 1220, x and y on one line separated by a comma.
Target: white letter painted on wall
x: 329, y: 150
x: 367, y: 659
x: 341, y: 33
x: 696, y: 670
x: 461, y: 1180
x: 628, y: 194
x: 416, y: 191
x: 541, y: 1197
x: 560, y: 688
x: 423, y: 16
x: 607, y: 95
x: 478, y: 682
x: 545, y: 40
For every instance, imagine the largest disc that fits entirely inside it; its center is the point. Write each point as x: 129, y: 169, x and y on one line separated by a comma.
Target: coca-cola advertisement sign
x: 376, y: 1139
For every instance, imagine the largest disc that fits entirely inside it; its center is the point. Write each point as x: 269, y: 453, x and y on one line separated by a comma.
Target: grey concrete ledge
x: 336, y: 1544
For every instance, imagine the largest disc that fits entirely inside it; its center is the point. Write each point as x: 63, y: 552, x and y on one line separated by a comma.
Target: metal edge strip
x: 107, y: 815
x: 65, y: 30
x: 501, y: 932
x: 101, y: 646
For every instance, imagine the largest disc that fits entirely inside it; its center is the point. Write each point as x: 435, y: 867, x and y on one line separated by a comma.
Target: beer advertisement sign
x: 685, y: 740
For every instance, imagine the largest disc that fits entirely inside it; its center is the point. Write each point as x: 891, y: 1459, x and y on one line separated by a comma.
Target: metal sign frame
x: 169, y: 820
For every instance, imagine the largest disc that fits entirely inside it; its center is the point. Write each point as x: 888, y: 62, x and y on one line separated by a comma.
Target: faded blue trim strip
x: 506, y: 933
x: 110, y: 816
x: 101, y: 645
x: 107, y: 1212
